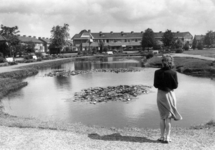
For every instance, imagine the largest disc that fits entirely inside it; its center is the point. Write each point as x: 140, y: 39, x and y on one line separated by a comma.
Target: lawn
x: 206, y: 52
x: 186, y: 62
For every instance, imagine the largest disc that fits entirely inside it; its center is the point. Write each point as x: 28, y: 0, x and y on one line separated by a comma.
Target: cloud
x: 39, y: 16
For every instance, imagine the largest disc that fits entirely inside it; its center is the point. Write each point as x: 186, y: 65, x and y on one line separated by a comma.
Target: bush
x: 27, y: 57
x: 186, y: 46
x: 2, y: 60
x: 200, y: 46
x: 39, y: 59
x: 179, y: 51
x: 12, y: 63
x: 150, y: 55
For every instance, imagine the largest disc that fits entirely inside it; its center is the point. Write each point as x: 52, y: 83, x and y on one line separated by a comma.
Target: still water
x: 51, y: 98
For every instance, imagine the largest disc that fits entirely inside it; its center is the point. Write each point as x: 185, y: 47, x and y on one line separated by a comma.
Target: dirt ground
x: 14, y: 138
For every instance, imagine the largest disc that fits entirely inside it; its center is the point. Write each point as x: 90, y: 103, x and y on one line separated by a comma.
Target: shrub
x: 150, y: 55
x: 186, y: 46
x: 27, y: 57
x: 200, y: 46
x: 179, y: 51
x: 1, y: 54
x: 12, y: 63
x: 39, y: 59
x: 2, y: 59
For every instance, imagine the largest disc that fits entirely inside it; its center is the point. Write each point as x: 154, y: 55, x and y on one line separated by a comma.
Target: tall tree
x: 60, y: 35
x: 168, y: 38
x: 101, y: 46
x: 194, y: 44
x: 177, y: 43
x: 10, y: 33
x: 148, y: 39
x: 209, y: 38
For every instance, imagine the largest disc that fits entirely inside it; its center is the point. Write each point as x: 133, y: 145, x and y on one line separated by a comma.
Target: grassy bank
x: 12, y: 80
x: 186, y: 65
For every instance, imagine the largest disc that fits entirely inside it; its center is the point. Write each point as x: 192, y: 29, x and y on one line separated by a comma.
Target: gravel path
x: 43, y: 139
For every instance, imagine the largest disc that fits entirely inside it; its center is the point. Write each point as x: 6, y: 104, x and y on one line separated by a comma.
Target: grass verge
x: 186, y: 65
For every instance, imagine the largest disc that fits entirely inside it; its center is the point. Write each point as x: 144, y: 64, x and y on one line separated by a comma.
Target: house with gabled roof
x: 199, y: 38
x: 2, y: 39
x: 46, y: 43
x: 32, y: 39
x: 121, y: 39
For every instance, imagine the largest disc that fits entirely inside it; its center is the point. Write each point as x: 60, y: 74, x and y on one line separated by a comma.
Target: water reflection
x: 107, y: 62
x: 63, y: 82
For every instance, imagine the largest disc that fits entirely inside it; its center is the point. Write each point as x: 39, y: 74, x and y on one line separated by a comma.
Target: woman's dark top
x: 165, y: 79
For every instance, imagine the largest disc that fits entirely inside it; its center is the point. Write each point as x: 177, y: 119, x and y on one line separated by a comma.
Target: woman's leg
x: 168, y: 128
x: 162, y: 127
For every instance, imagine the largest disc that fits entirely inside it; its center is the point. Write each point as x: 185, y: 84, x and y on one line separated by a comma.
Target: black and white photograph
x: 107, y: 74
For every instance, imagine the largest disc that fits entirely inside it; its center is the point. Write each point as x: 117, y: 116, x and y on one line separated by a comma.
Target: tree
x: 209, y: 38
x: 30, y: 47
x: 60, y: 35
x: 200, y: 46
x: 101, y: 46
x: 186, y: 46
x: 177, y: 43
x: 194, y: 44
x: 168, y: 38
x: 148, y: 39
x: 10, y: 33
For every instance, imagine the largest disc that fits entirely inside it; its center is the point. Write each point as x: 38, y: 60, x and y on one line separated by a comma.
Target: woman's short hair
x: 168, y: 61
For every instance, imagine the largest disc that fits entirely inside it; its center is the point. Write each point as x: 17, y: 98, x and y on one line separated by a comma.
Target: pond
x: 51, y: 98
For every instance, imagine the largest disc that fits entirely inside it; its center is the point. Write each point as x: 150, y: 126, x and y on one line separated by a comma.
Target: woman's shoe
x: 161, y: 139
x: 167, y: 140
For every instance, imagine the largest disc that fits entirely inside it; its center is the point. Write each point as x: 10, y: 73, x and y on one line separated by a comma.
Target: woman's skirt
x: 166, y: 102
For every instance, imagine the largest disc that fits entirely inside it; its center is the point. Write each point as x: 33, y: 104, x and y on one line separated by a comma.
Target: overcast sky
x: 37, y: 17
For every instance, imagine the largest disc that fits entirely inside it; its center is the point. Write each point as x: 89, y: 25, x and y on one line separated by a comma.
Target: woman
x: 165, y: 79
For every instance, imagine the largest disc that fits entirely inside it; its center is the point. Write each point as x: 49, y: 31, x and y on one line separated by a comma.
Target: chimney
x: 122, y: 33
x: 100, y: 33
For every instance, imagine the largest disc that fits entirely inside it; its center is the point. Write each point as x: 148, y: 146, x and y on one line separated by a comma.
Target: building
x: 2, y: 39
x: 199, y: 38
x: 46, y: 43
x: 183, y: 36
x: 117, y: 40
x: 39, y: 47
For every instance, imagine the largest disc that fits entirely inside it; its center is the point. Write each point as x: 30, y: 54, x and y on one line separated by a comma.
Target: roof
x: 46, y: 40
x: 199, y: 37
x: 111, y: 35
x: 26, y: 39
x: 123, y: 35
x: 2, y: 39
x: 69, y: 42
